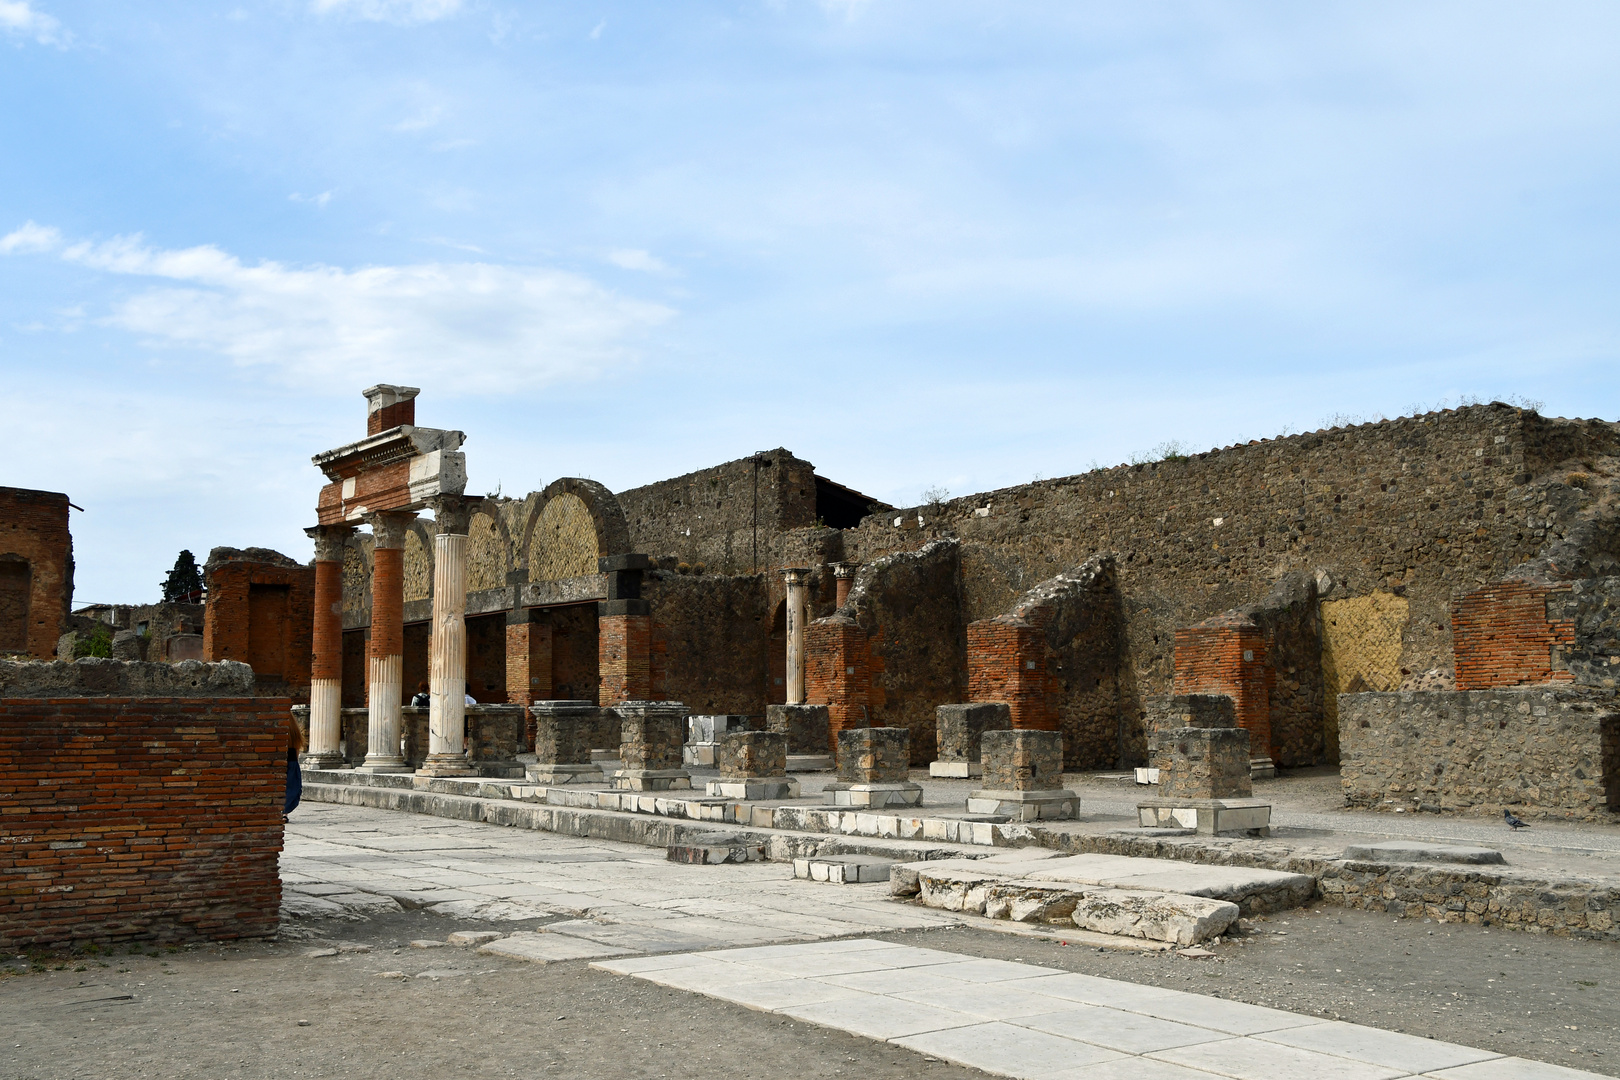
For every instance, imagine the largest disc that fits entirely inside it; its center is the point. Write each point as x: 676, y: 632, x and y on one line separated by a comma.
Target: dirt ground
x: 270, y: 1010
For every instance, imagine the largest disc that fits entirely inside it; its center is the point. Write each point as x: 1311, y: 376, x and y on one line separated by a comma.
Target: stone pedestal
x: 385, y: 653
x: 806, y: 728
x: 1204, y: 771
x: 563, y: 734
x: 652, y: 734
x: 753, y: 765
x: 1023, y: 777
x: 958, y: 728
x: 704, y: 734
x: 872, y: 769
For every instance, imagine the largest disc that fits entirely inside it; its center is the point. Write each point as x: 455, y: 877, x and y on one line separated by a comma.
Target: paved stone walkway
x: 1037, y: 1023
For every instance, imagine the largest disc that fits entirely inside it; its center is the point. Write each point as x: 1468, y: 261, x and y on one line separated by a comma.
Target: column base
x: 564, y: 774
x: 330, y: 759
x: 1025, y: 805
x: 955, y: 770
x: 378, y: 764
x: 652, y: 780
x: 1262, y: 768
x: 874, y: 796
x: 446, y: 765
x: 754, y: 788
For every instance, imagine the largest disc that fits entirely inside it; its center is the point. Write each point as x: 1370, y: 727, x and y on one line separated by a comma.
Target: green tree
x: 184, y: 585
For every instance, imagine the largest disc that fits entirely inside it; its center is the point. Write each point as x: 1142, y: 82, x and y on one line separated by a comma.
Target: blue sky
x: 919, y: 244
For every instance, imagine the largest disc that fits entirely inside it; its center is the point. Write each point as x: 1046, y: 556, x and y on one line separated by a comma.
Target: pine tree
x: 184, y: 585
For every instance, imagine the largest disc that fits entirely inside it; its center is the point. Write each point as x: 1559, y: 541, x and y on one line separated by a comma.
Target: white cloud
x: 421, y: 121
x: 319, y: 200
x: 30, y: 237
x: 596, y: 31
x: 636, y: 259
x: 398, y: 12
x: 478, y: 326
x: 19, y: 17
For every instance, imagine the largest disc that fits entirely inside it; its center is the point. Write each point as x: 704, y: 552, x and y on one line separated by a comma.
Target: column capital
x: 796, y: 575
x: 330, y: 540
x: 453, y: 513
x: 388, y: 528
x: 844, y: 570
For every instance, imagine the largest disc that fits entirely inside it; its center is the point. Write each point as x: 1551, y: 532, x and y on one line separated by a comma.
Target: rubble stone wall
x: 1538, y: 751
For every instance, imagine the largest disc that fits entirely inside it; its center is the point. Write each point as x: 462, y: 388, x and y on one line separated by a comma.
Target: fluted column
x: 385, y: 656
x: 447, y: 647
x: 796, y: 611
x: 326, y: 662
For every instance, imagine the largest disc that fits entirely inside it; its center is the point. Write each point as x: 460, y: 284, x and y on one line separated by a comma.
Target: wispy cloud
x: 19, y: 17
x: 636, y: 259
x: 319, y: 200
x: 398, y: 12
x: 478, y: 326
x: 423, y: 120
x: 596, y: 31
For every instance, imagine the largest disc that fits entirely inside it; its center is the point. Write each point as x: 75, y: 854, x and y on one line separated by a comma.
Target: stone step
x: 712, y: 849
x: 843, y: 869
x: 1412, y: 851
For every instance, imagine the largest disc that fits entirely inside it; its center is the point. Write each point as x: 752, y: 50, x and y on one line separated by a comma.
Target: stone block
x: 712, y: 728
x: 471, y: 939
x: 708, y: 849
x: 843, y: 869
x: 874, y: 755
x: 1205, y: 763
x: 747, y: 755
x: 564, y: 731
x: 809, y: 762
x: 753, y: 790
x: 1200, y: 711
x: 1413, y: 851
x: 806, y: 727
x: 1209, y: 817
x: 1022, y: 760
x: 1155, y: 916
x: 873, y: 796
x: 651, y: 734
x: 959, y: 728
x: 1025, y: 805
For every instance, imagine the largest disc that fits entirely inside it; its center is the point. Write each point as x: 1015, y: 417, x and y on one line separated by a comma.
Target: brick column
x: 1227, y: 655
x: 797, y: 609
x: 385, y: 654
x: 528, y: 657
x: 624, y: 633
x: 326, y: 666
x: 839, y: 674
x: 1006, y: 660
x: 447, y: 647
x: 844, y: 576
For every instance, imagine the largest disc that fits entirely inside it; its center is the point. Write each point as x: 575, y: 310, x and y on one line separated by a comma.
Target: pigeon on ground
x: 1513, y: 822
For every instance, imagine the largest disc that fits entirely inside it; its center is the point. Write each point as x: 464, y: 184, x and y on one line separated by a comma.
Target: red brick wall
x: 34, y: 525
x: 528, y: 662
x: 1006, y: 661
x: 156, y: 818
x: 624, y: 644
x: 1503, y: 636
x: 391, y: 416
x: 839, y: 672
x: 1229, y: 659
x: 379, y: 489
x: 233, y: 623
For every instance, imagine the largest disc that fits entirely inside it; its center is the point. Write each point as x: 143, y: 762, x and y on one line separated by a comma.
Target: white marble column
x: 447, y: 647
x: 797, y: 605
x: 326, y: 668
x: 385, y: 656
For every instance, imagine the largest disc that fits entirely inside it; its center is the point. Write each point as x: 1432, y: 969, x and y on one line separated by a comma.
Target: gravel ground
x: 213, y: 1012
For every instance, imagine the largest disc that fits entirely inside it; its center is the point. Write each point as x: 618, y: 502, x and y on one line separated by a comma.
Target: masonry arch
x: 489, y: 551
x: 573, y: 523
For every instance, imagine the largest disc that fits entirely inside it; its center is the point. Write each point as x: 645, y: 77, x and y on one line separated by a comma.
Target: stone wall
x: 1538, y: 751
x: 93, y: 676
x: 1423, y: 507
x: 140, y: 819
x: 36, y: 570
x: 715, y: 639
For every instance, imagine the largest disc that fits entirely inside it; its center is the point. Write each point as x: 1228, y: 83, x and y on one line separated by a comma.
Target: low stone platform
x: 1210, y: 817
x: 843, y: 869
x: 1410, y: 851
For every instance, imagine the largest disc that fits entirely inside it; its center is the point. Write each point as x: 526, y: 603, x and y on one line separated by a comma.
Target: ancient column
x: 326, y: 666
x: 447, y: 647
x: 797, y: 579
x: 844, y: 574
x: 385, y: 655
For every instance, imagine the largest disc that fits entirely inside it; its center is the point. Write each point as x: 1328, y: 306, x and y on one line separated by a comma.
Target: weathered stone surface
x: 1205, y: 762
x: 100, y: 677
x: 1184, y: 920
x: 652, y: 734
x: 1022, y: 760
x: 746, y: 755
x: 715, y: 848
x: 960, y: 726
x: 843, y: 869
x: 806, y: 727
x: 564, y: 731
x: 1537, y: 750
x: 1412, y: 851
x: 874, y: 755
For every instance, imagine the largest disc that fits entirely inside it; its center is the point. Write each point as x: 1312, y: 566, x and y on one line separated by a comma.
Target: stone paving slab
x: 1089, y: 1029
